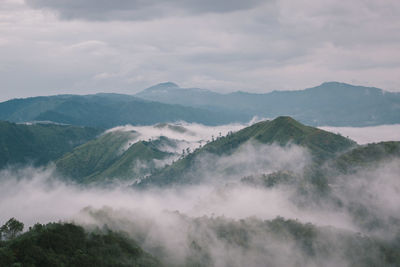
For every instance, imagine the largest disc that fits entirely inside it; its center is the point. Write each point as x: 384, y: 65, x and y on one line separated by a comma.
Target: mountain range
x: 331, y: 103
x: 106, y: 111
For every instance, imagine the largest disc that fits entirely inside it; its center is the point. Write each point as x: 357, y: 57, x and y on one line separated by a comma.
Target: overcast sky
x: 88, y: 46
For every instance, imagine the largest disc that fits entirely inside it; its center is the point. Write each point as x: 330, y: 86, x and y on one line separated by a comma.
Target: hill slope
x: 93, y: 157
x: 112, y: 155
x: 366, y: 156
x: 137, y: 161
x: 283, y: 130
x: 39, y: 143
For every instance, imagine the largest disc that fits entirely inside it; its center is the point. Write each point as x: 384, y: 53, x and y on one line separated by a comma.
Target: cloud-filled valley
x: 228, y: 217
x: 185, y: 133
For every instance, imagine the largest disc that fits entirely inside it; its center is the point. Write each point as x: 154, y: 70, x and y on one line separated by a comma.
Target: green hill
x: 323, y: 145
x: 93, y: 157
x: 110, y: 156
x: 39, y: 143
x: 137, y: 161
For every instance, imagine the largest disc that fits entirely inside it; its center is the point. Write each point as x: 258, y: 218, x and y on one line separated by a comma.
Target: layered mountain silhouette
x: 331, y: 103
x: 310, y: 174
x: 106, y: 111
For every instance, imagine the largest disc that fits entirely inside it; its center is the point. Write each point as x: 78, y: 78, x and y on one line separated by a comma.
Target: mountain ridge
x: 331, y: 103
x: 106, y: 111
x: 283, y: 130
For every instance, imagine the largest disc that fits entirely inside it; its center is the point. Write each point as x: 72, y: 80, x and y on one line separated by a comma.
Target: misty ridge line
x: 250, y: 163
x: 230, y: 196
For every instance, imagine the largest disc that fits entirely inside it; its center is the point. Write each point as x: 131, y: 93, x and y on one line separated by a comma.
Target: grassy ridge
x: 110, y: 156
x: 283, y: 130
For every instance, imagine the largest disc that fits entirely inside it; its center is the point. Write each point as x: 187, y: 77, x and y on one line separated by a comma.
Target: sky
x: 87, y: 46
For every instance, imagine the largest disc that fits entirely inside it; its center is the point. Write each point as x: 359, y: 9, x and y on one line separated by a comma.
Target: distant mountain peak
x: 285, y: 119
x: 163, y: 86
x: 167, y: 84
x: 282, y: 122
x: 333, y: 83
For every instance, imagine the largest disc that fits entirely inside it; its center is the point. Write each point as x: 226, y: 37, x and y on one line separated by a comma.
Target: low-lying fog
x: 364, y: 135
x: 157, y: 216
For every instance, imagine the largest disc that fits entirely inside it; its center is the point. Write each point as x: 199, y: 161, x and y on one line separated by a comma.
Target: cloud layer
x: 174, y: 222
x: 138, y: 9
x: 51, y: 47
x: 365, y: 135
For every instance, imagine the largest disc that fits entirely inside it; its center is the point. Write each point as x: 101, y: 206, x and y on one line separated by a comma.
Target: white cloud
x: 364, y: 135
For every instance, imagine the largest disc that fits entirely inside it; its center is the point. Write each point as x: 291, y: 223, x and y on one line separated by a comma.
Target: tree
x: 11, y: 229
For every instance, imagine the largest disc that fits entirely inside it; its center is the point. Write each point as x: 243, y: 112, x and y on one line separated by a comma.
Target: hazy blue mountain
x: 106, y: 110
x: 331, y: 103
x: 173, y: 94
x: 39, y: 143
x: 335, y: 104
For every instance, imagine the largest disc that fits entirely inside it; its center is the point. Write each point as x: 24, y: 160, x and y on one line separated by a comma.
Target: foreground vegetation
x: 66, y: 244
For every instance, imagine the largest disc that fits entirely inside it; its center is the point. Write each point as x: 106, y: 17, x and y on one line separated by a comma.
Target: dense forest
x: 66, y: 244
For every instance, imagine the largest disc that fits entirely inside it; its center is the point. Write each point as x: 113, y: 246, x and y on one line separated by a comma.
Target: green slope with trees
x: 93, y: 157
x: 137, y: 161
x: 366, y: 156
x: 114, y: 155
x: 323, y: 145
